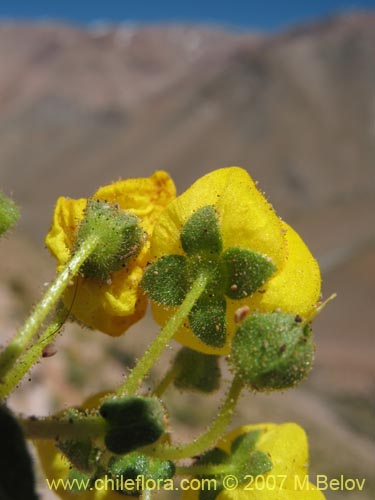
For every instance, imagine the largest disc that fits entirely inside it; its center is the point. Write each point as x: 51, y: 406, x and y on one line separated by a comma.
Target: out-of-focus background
x: 93, y: 92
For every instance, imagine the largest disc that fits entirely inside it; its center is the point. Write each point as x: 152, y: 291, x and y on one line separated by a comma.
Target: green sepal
x: 134, y: 422
x: 196, y: 371
x: 135, y: 464
x: 16, y: 471
x: 75, y: 481
x: 215, y: 456
x: 243, y: 461
x: 207, y: 320
x: 201, y: 233
x: 245, y: 442
x: 166, y: 281
x: 82, y: 454
x: 9, y: 213
x: 120, y: 238
x: 246, y: 271
x: 247, y: 460
x: 272, y: 351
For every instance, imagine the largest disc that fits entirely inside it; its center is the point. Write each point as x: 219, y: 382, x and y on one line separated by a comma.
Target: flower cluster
x: 225, y: 276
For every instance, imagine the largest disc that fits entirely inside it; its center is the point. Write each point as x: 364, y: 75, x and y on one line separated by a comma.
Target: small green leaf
x: 196, y: 371
x: 166, y: 281
x: 201, y: 233
x: 246, y: 271
x: 208, y: 321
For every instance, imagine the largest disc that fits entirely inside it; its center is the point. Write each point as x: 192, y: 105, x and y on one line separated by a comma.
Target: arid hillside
x: 80, y: 108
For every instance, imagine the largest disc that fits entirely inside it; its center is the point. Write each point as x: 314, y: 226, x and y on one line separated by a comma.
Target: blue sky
x: 266, y: 15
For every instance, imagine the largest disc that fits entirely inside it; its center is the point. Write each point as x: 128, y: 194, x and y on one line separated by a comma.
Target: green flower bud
x: 120, y: 238
x: 133, y: 422
x: 196, y: 371
x: 272, y: 351
x: 9, y: 213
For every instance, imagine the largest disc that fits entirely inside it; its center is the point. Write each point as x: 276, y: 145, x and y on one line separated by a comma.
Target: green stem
x: 206, y: 440
x: 24, y: 336
x: 32, y: 355
x: 166, y: 381
x: 63, y: 427
x: 130, y: 386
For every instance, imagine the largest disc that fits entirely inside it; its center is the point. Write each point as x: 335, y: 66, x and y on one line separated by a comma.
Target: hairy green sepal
x: 9, y: 213
x: 272, y: 351
x: 120, y: 238
x: 246, y: 272
x: 243, y: 461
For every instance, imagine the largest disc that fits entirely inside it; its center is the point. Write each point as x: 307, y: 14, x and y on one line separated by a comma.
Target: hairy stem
x: 34, y: 322
x: 32, y: 355
x: 131, y: 384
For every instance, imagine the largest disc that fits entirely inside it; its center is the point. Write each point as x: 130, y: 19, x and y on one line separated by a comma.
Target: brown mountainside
x: 80, y: 108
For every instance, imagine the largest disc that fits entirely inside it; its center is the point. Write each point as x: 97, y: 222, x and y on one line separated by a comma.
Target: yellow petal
x: 296, y: 288
x: 287, y: 447
x: 114, y: 306
x: 246, y: 220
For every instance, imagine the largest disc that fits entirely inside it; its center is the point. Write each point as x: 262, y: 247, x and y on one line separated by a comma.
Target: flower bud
x: 272, y: 351
x: 9, y: 213
x: 120, y: 238
x: 196, y: 371
x: 133, y: 422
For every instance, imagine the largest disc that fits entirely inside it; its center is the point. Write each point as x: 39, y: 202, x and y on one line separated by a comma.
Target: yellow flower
x: 286, y: 446
x: 114, y: 306
x: 246, y: 221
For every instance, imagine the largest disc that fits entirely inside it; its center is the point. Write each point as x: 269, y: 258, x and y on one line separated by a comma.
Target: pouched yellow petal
x: 114, y: 306
x: 247, y: 221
